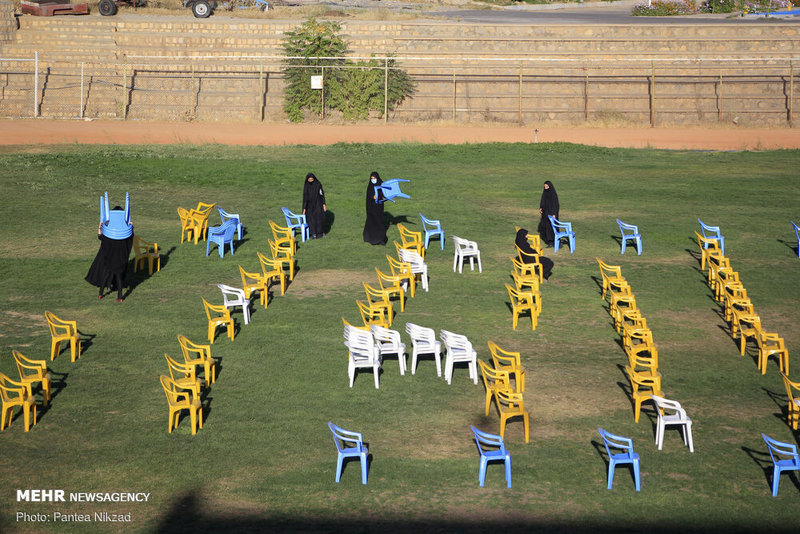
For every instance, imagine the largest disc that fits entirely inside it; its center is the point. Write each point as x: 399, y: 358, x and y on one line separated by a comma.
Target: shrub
x: 353, y: 87
x: 721, y: 6
x: 765, y: 6
x: 664, y: 8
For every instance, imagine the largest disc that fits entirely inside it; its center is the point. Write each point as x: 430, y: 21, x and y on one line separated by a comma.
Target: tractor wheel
x: 107, y: 8
x: 201, y: 9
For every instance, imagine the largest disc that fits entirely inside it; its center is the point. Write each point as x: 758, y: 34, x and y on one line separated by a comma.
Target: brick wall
x: 8, y: 22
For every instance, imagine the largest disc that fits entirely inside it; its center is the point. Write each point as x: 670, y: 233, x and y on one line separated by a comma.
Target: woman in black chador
x: 374, y: 230
x: 111, y: 263
x: 314, y: 206
x: 522, y: 242
x: 548, y: 205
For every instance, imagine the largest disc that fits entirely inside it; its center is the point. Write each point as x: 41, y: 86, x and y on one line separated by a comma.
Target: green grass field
x: 264, y: 460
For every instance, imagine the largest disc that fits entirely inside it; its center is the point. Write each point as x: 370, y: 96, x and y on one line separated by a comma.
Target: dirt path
x: 44, y: 132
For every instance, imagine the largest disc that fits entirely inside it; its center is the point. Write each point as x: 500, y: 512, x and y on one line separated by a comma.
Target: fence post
x: 323, y: 92
x: 81, y: 110
x: 520, y: 94
x: 652, y: 94
x: 263, y: 87
x: 585, y: 94
x: 36, y: 84
x: 719, y: 98
x: 125, y: 88
x: 791, y: 93
x: 454, y: 94
x: 386, y: 91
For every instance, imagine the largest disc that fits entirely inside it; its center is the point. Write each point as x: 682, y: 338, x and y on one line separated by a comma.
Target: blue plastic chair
x: 221, y: 235
x: 342, y: 438
x: 116, y: 224
x: 296, y: 221
x: 630, y: 231
x: 225, y: 216
x: 492, y: 448
x: 432, y: 228
x: 713, y: 232
x: 627, y: 456
x: 562, y: 230
x: 391, y: 190
x: 784, y: 458
x: 797, y: 235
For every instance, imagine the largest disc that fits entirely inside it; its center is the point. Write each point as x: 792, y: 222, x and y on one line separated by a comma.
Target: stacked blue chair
x: 492, y: 448
x: 296, y: 221
x: 630, y: 232
x: 432, y: 228
x: 561, y: 231
x: 221, y: 235
x: 626, y: 456
x: 784, y: 458
x: 116, y: 224
x: 342, y: 438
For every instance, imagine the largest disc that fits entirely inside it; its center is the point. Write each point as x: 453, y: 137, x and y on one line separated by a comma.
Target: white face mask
x: 374, y: 180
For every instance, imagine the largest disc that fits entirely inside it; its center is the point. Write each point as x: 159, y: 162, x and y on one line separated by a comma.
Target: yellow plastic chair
x: 145, y: 252
x: 631, y: 319
x: 793, y: 396
x: 612, y: 278
x: 493, y: 379
x: 179, y: 400
x: 530, y: 270
x: 523, y: 301
x: 31, y: 372
x: 737, y: 308
x: 284, y: 237
x: 510, y: 362
x: 634, y: 337
x: 372, y: 314
x: 61, y: 330
x: 533, y: 240
x: 619, y: 304
x: 201, y: 214
x: 749, y: 326
x: 379, y: 298
x: 393, y: 285
x: 643, y: 359
x: 725, y: 277
x: 188, y: 228
x: 412, y: 240
x: 707, y: 247
x: 254, y: 282
x: 345, y: 322
x: 282, y: 255
x: 403, y: 270
x: 510, y: 405
x: 716, y: 261
x: 272, y: 271
x: 199, y: 356
x: 184, y: 375
x: 13, y: 393
x: 771, y: 344
x: 222, y: 317
x: 642, y: 387
x: 732, y: 293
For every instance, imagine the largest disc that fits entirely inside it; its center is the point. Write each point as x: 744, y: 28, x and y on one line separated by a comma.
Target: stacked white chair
x: 363, y: 352
x: 423, y: 341
x: 459, y: 349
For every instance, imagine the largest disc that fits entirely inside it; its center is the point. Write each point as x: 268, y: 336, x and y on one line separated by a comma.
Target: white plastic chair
x: 677, y: 418
x: 465, y: 249
x: 423, y: 341
x: 233, y: 296
x: 389, y: 343
x: 418, y: 265
x: 459, y: 349
x: 364, y: 352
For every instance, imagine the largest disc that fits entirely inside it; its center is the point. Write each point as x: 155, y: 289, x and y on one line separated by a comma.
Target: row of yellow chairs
x: 378, y: 308
x: 525, y: 294
x: 738, y: 309
x: 194, y: 222
x: 183, y: 387
x: 283, y: 248
x: 504, y: 381
x: 637, y: 338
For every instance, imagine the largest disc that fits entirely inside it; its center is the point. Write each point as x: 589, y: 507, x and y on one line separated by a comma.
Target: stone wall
x: 8, y: 22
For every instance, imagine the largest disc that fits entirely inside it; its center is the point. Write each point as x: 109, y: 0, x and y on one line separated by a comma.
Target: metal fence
x: 523, y: 90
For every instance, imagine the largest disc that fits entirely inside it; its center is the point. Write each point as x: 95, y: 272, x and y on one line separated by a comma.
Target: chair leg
x: 636, y: 475
x: 507, y: 461
x: 776, y: 474
x: 611, y: 465
x: 482, y: 471
x: 339, y: 468
x: 376, y: 371
x: 364, y: 468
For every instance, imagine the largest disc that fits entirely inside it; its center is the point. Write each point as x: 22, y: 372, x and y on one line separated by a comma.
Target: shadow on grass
x: 791, y: 244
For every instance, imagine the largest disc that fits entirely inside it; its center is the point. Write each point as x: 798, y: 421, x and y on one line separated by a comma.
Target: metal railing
x: 250, y: 88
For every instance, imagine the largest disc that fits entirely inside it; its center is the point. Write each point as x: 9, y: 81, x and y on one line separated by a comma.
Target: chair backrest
x: 779, y: 449
x: 188, y: 347
x: 342, y: 437
x: 421, y: 335
x: 225, y: 216
x: 494, y: 378
x: 232, y: 295
x: 455, y: 343
x: 612, y: 441
x: 790, y: 386
x: 216, y: 308
x: 627, y: 229
x: 23, y: 363
x: 434, y: 224
x: 666, y: 404
x: 796, y: 230
x: 391, y: 189
x: 485, y: 440
x: 55, y: 324
x: 564, y: 227
x: 503, y: 358
x: 464, y: 245
x: 360, y: 343
x: 172, y: 391
x: 609, y: 271
x: 411, y: 257
x: 399, y: 267
x: 709, y: 232
x: 224, y: 232
x: 386, y: 335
